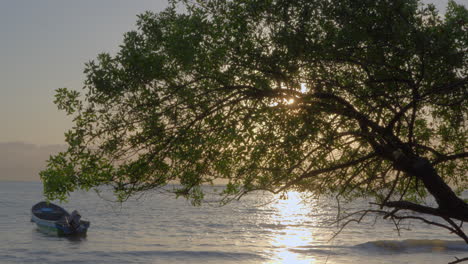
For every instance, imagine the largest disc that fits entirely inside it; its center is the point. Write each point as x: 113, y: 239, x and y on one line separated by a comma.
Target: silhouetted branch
x: 450, y: 157
x: 325, y: 170
x: 458, y: 260
x: 412, y: 104
x: 358, y: 216
x: 405, y: 205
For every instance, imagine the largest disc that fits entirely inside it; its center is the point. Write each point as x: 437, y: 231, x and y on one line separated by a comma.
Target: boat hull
x: 52, y: 227
x: 57, y: 224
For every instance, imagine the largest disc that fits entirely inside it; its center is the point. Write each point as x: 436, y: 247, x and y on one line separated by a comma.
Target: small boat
x: 53, y: 218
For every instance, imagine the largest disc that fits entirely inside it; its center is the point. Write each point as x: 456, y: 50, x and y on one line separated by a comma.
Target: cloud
x: 21, y: 161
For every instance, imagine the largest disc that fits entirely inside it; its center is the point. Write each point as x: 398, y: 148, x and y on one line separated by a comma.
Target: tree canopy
x: 350, y: 98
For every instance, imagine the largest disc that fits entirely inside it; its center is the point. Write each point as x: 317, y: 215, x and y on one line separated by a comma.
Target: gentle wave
x: 425, y: 245
x: 324, y: 250
x: 315, y: 251
x: 192, y: 254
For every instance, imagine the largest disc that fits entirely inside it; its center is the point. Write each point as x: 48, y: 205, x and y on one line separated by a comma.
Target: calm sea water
x: 157, y: 228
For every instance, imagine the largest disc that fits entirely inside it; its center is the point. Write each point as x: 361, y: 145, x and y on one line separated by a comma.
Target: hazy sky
x: 43, y: 46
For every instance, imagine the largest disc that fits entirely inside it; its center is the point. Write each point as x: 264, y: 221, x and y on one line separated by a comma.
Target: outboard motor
x: 74, y: 221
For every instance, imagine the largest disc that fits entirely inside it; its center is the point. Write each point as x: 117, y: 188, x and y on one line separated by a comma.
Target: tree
x: 333, y: 97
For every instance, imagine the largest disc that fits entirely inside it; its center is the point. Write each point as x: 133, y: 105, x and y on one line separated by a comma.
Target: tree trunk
x: 449, y: 203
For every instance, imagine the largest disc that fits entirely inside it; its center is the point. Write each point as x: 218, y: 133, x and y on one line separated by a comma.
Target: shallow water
x: 259, y: 229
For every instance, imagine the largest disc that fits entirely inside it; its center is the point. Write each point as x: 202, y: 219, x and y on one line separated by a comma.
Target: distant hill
x: 21, y: 161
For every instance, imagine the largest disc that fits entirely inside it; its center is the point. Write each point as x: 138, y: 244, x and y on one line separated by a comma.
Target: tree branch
x: 450, y: 157
x: 458, y: 260
x: 412, y: 104
x: 325, y: 170
x: 405, y: 205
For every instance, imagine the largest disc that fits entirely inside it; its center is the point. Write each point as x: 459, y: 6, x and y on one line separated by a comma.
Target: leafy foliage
x: 273, y: 95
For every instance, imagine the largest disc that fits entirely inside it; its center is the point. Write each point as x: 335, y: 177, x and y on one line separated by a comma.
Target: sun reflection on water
x: 292, y: 214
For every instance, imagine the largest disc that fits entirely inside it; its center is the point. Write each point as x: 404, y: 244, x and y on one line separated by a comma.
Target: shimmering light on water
x: 291, y: 212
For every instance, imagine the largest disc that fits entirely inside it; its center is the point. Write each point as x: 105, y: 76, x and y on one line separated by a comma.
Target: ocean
x: 260, y: 228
